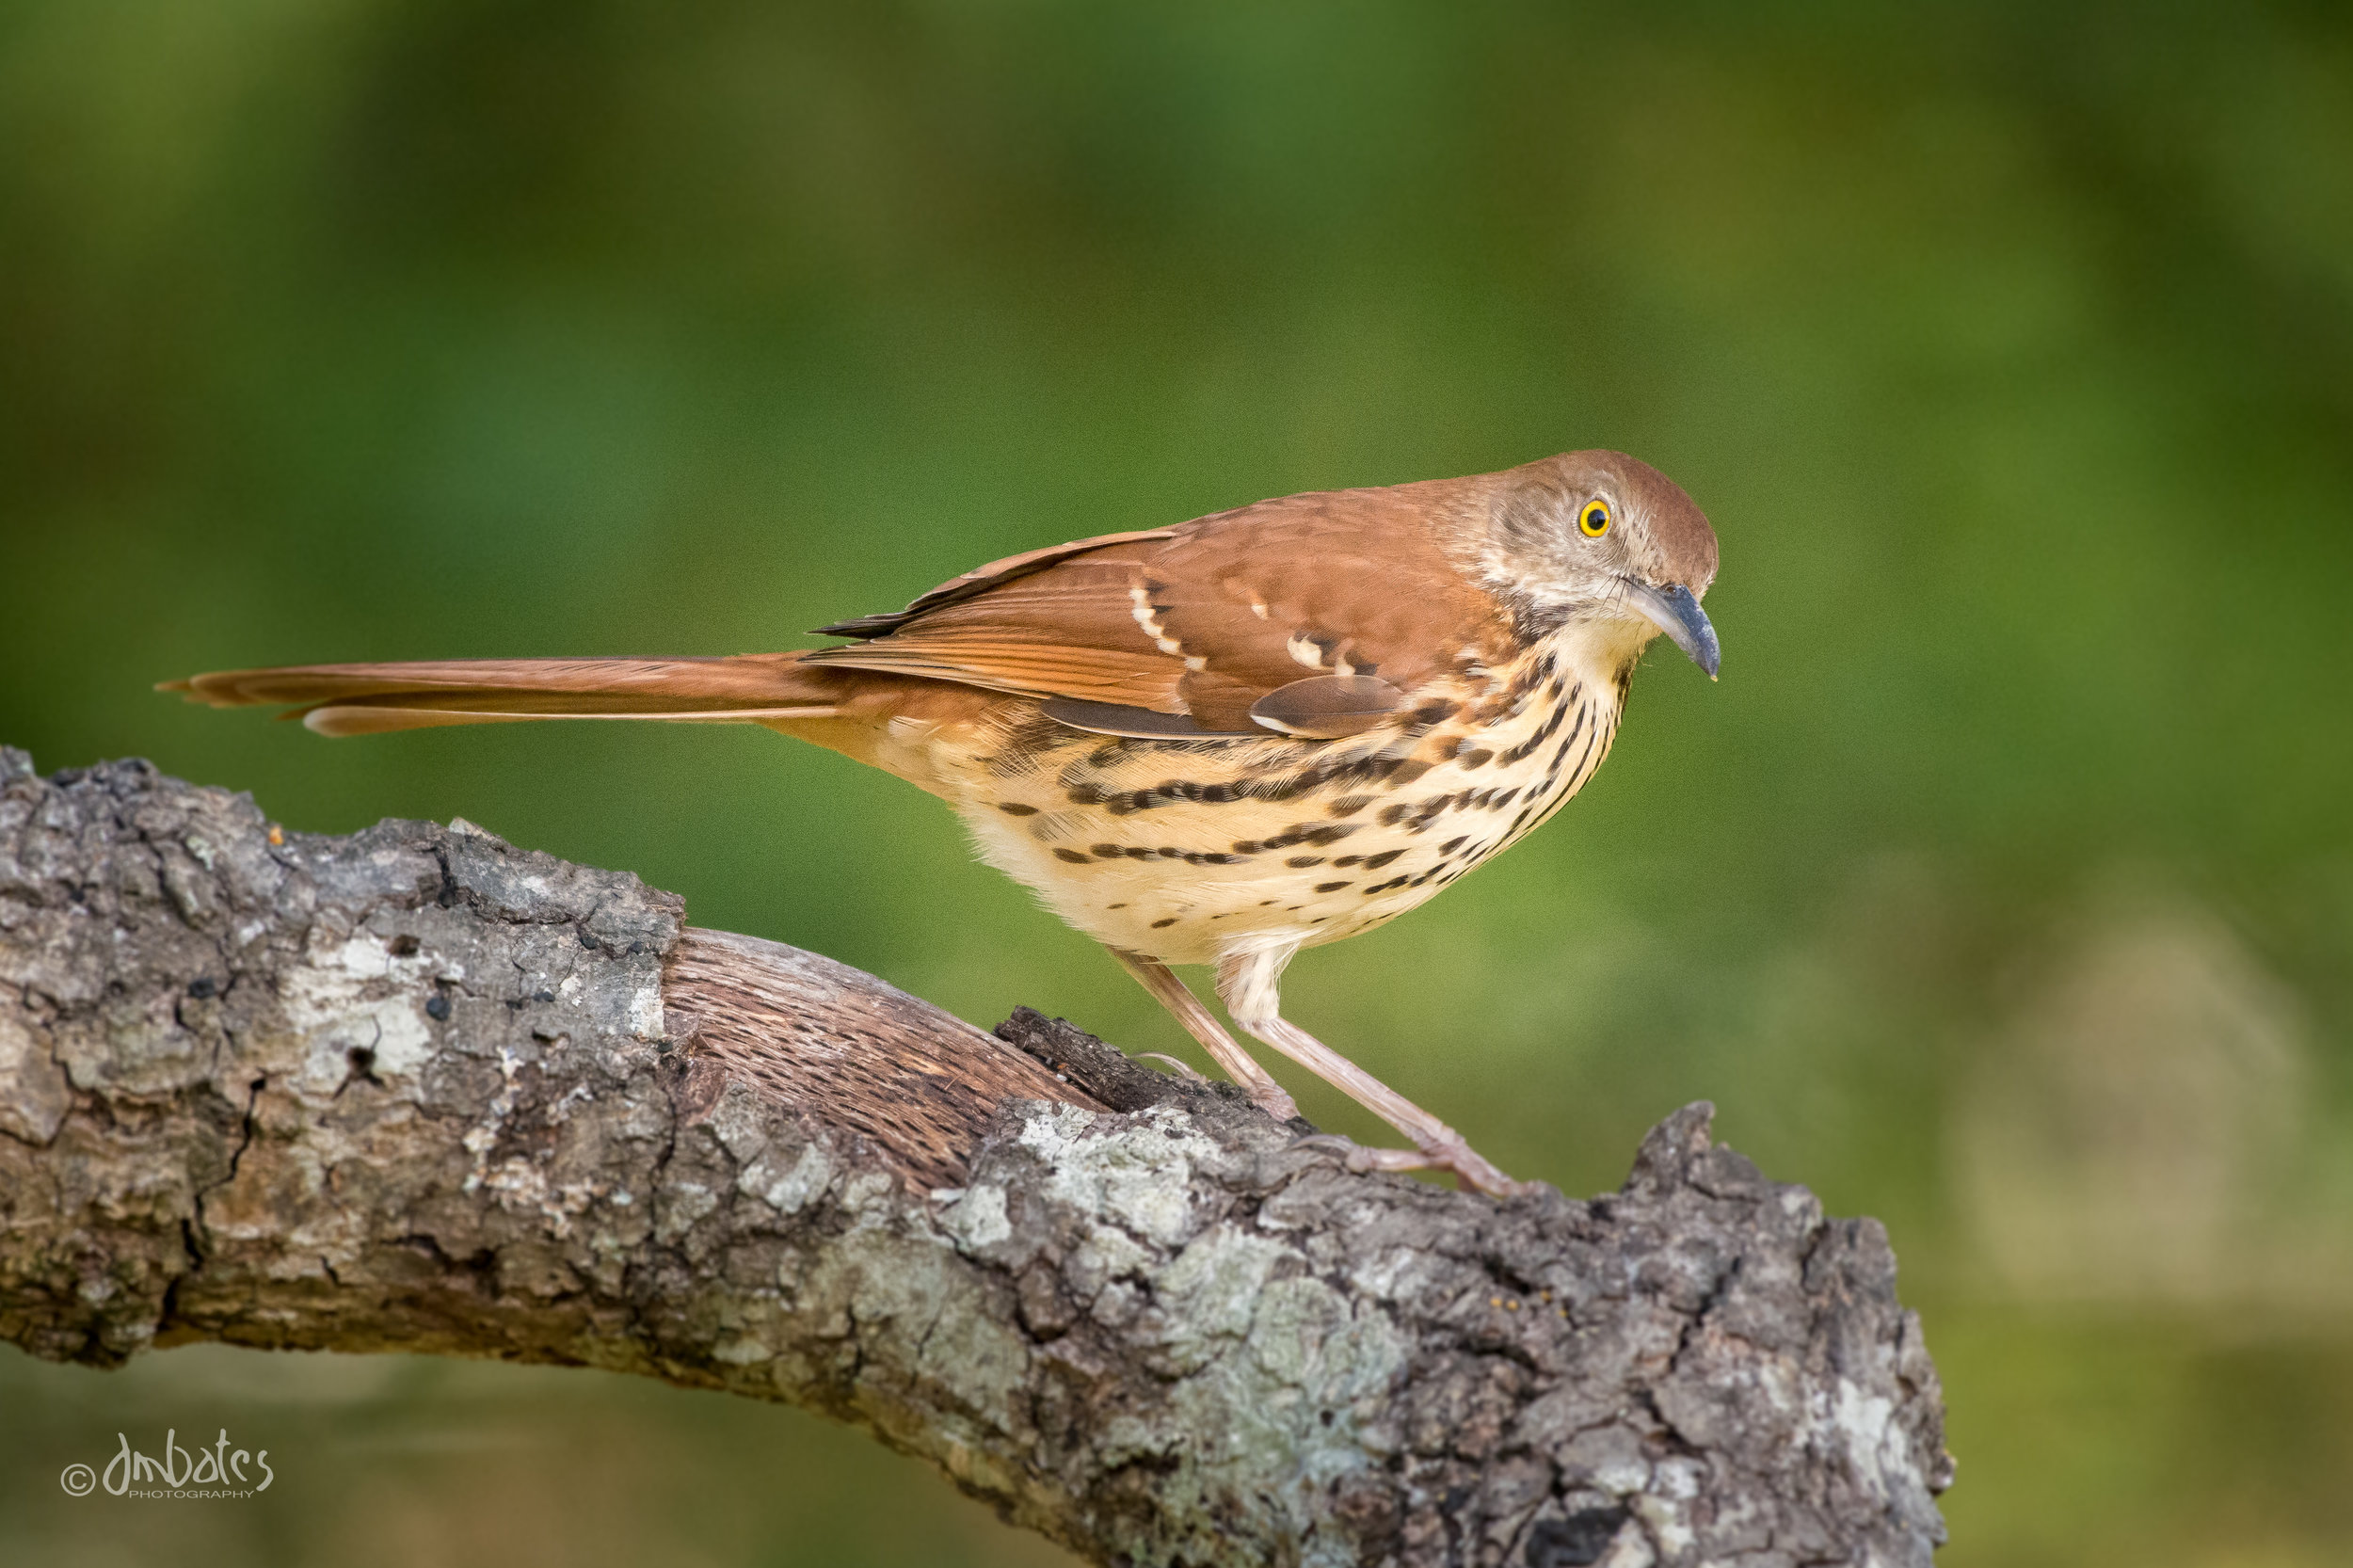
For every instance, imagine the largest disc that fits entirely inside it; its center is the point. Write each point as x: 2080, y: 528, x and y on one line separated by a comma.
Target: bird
x: 1217, y: 743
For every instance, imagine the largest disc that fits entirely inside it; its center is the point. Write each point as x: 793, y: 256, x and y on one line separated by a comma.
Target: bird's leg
x: 1226, y: 1051
x: 1250, y: 985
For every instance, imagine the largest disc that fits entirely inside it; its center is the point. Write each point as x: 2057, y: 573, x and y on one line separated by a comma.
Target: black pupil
x: 1595, y: 518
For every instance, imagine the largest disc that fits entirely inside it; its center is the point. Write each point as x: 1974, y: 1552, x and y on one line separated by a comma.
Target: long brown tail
x: 369, y: 699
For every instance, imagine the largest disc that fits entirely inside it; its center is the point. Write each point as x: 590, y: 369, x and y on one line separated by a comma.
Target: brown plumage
x: 1217, y: 743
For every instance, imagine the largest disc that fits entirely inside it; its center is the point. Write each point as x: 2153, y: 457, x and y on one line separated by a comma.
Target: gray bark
x: 416, y: 1089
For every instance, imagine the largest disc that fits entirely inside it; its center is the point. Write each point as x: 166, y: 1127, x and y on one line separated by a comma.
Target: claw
x: 1182, y: 1069
x: 1279, y: 1105
x: 1459, y: 1160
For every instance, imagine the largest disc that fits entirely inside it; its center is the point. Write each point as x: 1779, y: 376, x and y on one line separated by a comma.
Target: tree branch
x: 416, y: 1089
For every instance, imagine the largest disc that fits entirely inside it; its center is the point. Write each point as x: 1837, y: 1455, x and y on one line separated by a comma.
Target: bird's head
x: 1603, y: 539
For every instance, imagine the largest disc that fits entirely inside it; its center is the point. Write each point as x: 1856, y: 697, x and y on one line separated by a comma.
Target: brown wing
x: 981, y: 579
x: 1208, y: 621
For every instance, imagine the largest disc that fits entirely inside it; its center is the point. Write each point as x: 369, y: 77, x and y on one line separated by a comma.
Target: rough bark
x: 418, y: 1090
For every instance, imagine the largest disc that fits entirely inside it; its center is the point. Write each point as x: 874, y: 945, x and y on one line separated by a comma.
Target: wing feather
x: 1211, y: 619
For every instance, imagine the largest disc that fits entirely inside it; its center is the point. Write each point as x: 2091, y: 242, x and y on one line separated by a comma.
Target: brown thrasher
x: 1218, y: 742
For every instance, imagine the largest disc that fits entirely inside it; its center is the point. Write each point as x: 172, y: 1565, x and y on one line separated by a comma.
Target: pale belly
x: 1190, y: 852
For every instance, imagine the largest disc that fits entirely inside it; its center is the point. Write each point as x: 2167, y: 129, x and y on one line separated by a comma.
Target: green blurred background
x: 2003, y: 888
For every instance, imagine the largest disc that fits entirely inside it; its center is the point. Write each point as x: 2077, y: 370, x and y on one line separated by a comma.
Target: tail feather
x: 365, y: 699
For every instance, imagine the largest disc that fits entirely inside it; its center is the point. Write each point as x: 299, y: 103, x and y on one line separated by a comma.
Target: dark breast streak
x: 1328, y: 828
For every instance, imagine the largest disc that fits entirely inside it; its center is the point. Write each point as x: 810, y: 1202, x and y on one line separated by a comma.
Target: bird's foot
x: 1458, y: 1159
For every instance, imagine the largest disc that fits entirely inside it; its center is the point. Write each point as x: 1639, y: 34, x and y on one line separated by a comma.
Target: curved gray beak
x: 1673, y: 611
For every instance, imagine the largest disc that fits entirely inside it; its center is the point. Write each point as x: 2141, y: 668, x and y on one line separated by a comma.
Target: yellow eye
x: 1593, y: 521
